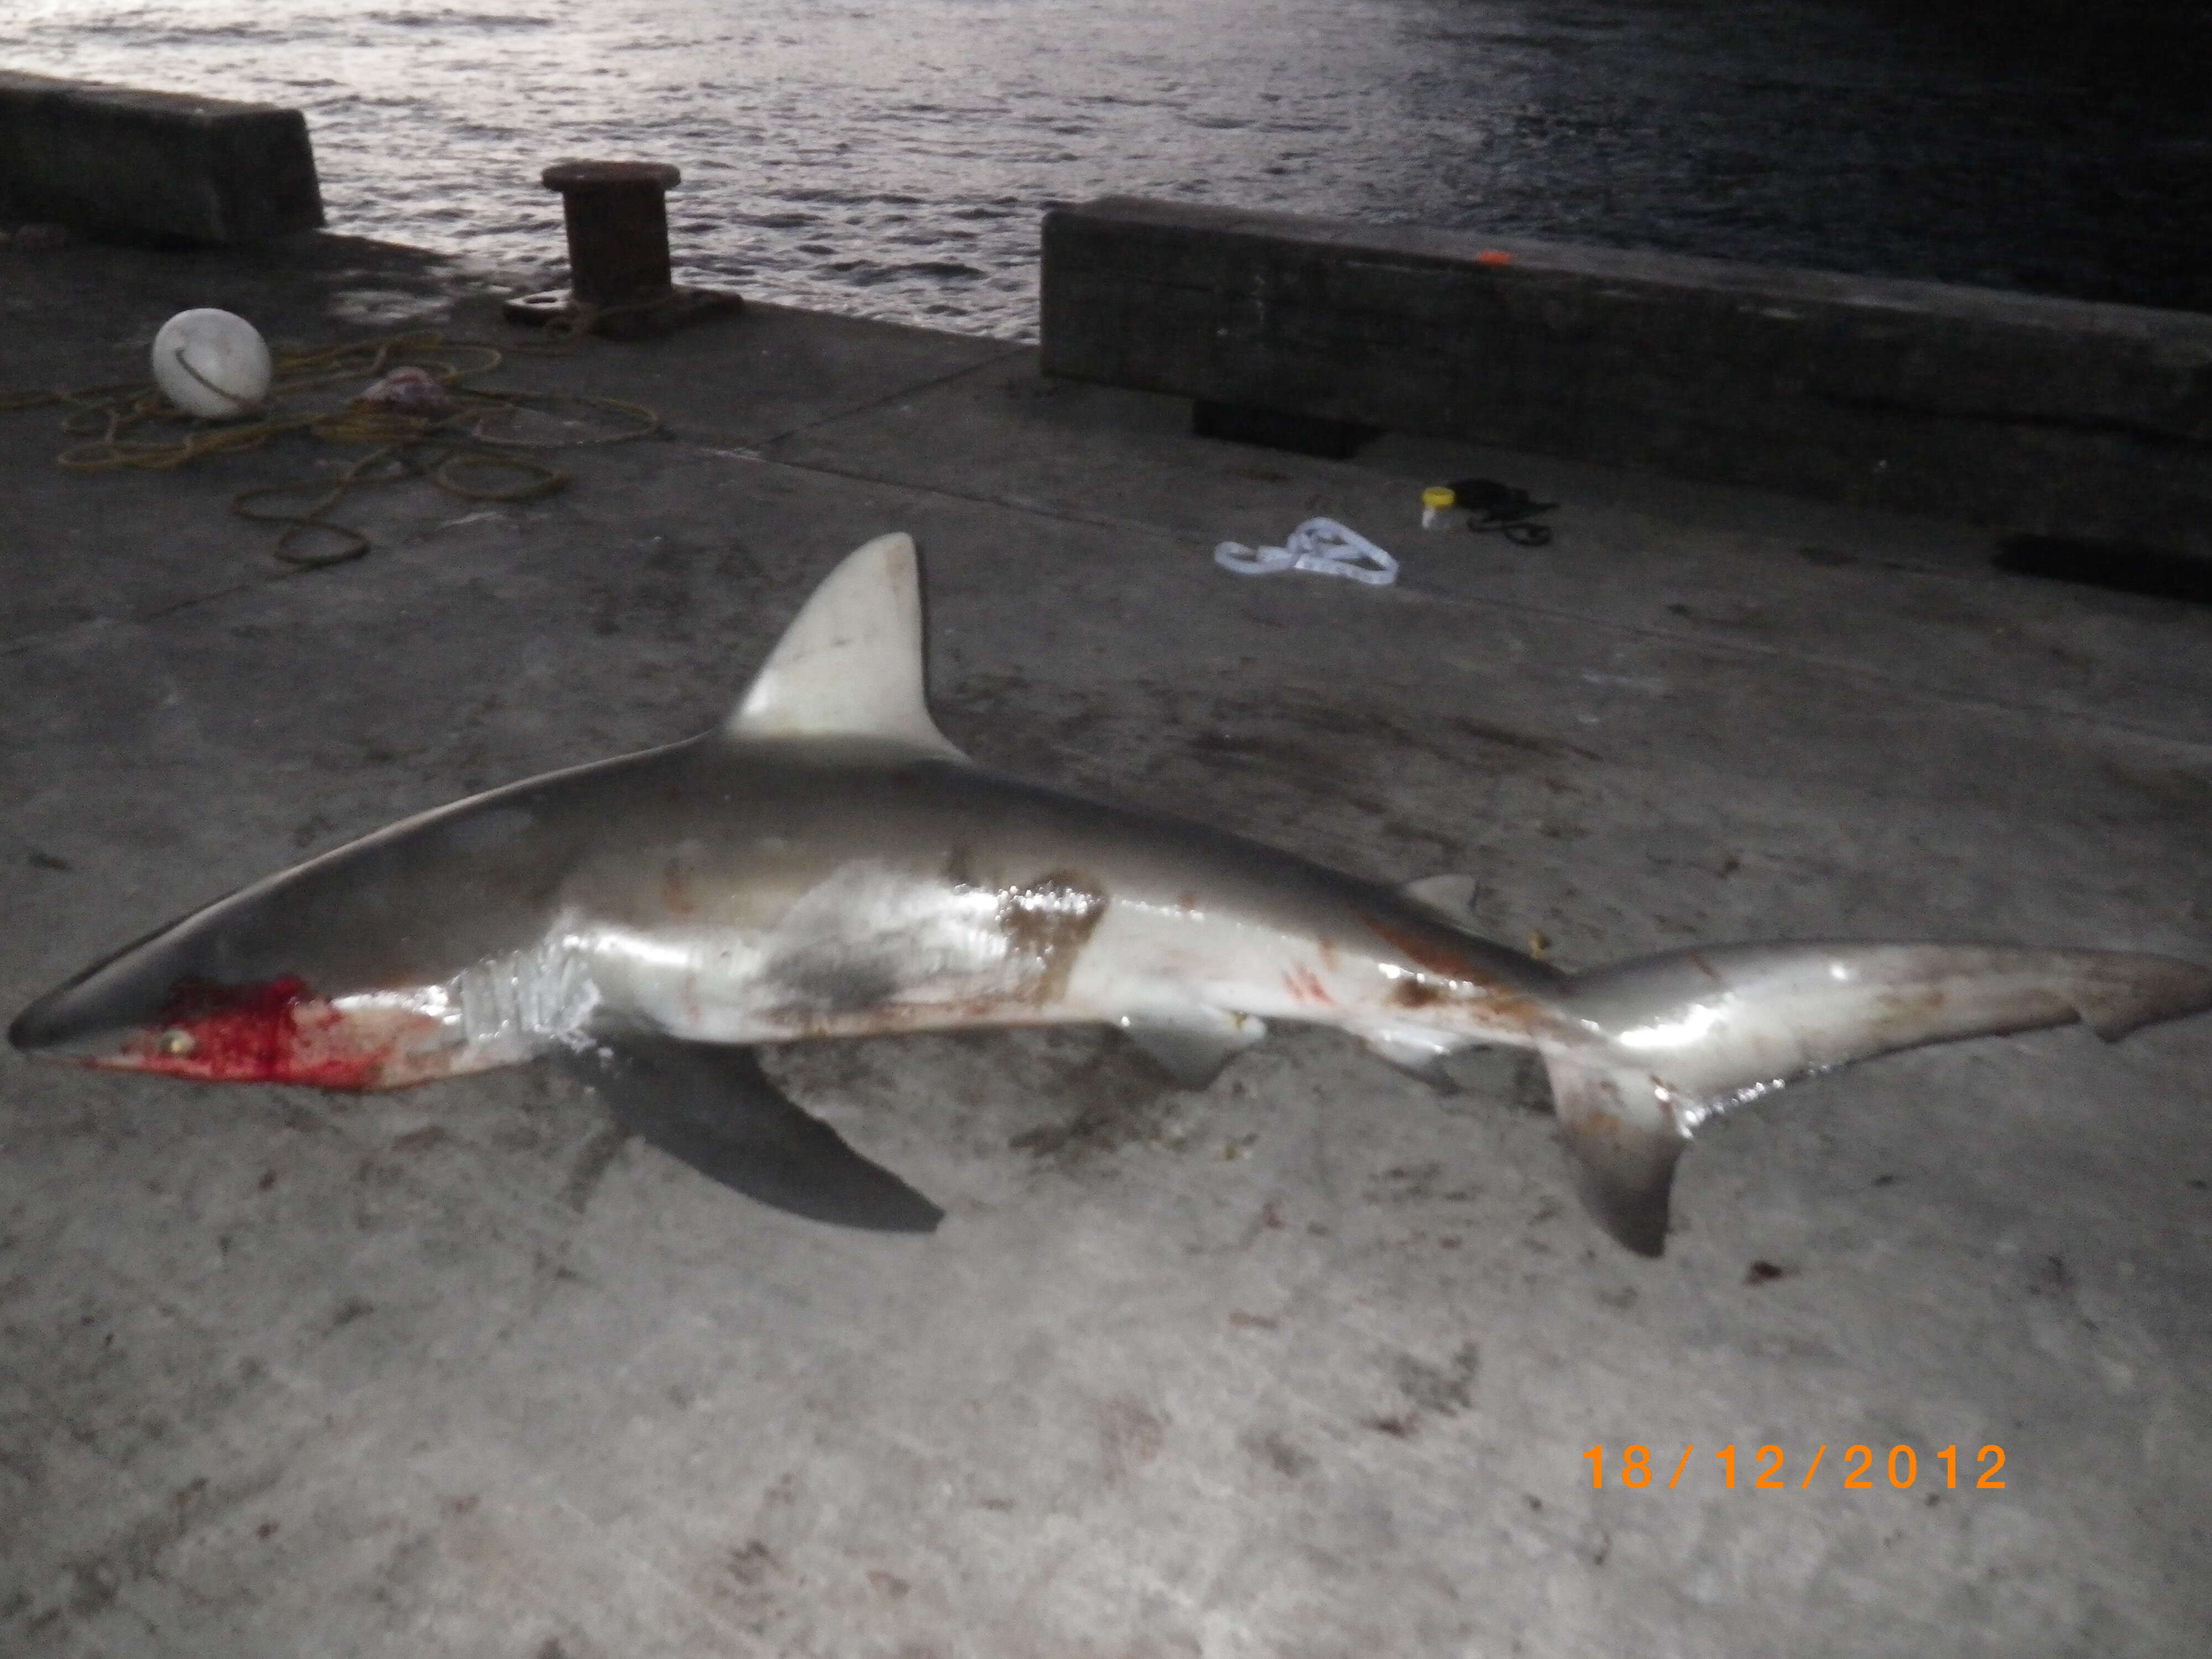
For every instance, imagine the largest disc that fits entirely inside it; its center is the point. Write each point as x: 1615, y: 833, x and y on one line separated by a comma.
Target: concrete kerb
x: 2051, y: 416
x: 153, y: 165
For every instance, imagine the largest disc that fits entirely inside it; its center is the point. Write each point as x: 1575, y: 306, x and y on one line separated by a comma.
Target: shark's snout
x: 88, y: 1017
x: 42, y: 1026
x: 97, y: 1012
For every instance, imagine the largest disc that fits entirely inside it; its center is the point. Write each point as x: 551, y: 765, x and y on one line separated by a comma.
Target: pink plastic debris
x: 408, y: 390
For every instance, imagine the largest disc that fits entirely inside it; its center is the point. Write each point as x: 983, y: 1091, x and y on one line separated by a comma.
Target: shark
x: 826, y: 864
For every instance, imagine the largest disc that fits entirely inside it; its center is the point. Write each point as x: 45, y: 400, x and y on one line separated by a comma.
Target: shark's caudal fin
x: 1656, y: 1046
x: 850, y: 665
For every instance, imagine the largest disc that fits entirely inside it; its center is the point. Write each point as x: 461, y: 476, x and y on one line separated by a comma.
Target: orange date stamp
x: 1766, y: 1468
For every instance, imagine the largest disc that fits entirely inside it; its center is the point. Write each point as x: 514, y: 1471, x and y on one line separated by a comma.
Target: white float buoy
x: 211, y: 363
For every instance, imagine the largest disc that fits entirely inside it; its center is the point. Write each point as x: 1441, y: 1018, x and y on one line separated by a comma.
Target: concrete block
x: 161, y: 165
x: 2054, y: 416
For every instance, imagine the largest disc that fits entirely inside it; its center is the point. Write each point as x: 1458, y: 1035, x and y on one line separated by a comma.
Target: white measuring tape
x: 1321, y: 545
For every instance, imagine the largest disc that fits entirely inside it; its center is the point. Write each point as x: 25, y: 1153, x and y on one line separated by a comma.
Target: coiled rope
x: 467, y: 446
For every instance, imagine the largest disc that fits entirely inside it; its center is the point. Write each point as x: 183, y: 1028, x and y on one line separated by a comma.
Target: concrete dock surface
x: 1308, y: 1365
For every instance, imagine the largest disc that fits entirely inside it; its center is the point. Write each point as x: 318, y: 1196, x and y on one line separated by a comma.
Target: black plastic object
x: 1503, y: 509
x: 1302, y: 435
x: 2122, y: 567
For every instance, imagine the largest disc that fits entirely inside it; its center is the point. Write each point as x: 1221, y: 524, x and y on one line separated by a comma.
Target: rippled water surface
x: 892, y: 158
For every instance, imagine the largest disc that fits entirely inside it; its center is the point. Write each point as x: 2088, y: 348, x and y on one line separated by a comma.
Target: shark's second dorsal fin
x: 850, y: 665
x: 1451, y: 896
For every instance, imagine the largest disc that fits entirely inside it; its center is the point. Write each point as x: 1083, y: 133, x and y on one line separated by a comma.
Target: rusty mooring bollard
x: 616, y: 215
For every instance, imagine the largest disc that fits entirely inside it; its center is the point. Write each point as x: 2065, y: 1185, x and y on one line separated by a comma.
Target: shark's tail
x: 1652, y: 1047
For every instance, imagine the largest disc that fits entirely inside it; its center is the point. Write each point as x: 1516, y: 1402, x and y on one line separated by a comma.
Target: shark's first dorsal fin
x: 850, y: 665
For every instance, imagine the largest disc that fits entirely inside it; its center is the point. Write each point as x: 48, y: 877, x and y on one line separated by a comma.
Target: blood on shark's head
x: 278, y: 1031
x: 274, y: 1030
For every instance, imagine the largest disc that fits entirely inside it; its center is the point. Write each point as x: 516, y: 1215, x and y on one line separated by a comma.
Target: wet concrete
x: 1307, y: 1364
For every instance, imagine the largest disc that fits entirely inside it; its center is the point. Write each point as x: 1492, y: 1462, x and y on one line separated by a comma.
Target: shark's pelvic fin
x: 1192, y: 1043
x: 850, y: 665
x: 1651, y: 1048
x: 713, y: 1108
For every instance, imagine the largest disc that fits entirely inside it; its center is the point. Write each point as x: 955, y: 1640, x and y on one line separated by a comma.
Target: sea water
x: 892, y: 157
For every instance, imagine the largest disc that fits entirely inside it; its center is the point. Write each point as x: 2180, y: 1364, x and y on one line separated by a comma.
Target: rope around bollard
x: 446, y: 445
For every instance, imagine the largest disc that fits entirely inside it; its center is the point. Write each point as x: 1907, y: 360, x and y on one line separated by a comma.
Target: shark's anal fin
x: 1193, y: 1043
x: 713, y: 1108
x: 1417, y: 1058
x: 851, y: 663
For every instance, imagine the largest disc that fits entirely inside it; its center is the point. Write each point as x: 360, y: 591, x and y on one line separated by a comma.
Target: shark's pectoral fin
x: 1193, y: 1043
x: 713, y: 1108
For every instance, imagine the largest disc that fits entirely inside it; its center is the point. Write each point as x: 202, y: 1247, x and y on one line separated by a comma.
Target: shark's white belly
x: 873, y: 949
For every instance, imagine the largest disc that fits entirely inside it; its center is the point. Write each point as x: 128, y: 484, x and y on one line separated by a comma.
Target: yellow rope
x: 460, y: 448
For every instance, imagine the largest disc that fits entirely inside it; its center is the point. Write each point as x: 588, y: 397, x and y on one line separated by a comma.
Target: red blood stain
x: 277, y: 1031
x: 1425, y: 949
x: 1306, y: 987
x: 193, y: 998
x: 1434, y: 950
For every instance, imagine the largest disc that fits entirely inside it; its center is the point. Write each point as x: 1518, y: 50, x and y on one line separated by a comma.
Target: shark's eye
x: 177, y: 1044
